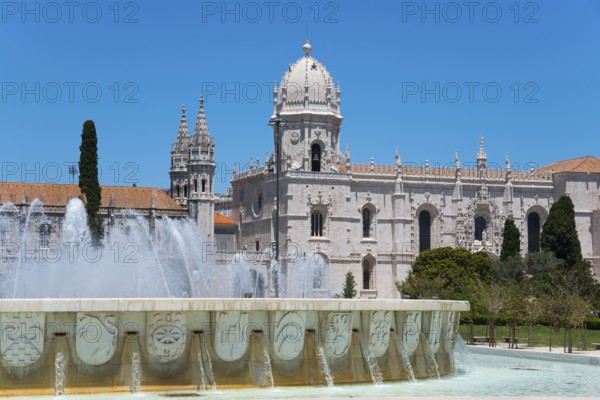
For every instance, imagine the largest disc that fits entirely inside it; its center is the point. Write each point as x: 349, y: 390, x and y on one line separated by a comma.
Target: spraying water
x: 59, y: 374
x: 212, y: 379
x: 371, y: 360
x: 202, y: 373
x: 406, y: 362
x: 461, y: 348
x: 324, y: 366
x: 430, y: 356
x: 136, y: 373
x: 268, y: 368
x: 168, y: 258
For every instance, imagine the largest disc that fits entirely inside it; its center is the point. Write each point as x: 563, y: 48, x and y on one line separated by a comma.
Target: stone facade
x: 374, y: 219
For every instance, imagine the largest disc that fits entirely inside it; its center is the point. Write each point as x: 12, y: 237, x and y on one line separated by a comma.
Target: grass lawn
x: 540, y: 335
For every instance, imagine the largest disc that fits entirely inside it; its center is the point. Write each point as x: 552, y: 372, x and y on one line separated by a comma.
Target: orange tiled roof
x: 221, y: 219
x: 582, y: 164
x: 59, y: 195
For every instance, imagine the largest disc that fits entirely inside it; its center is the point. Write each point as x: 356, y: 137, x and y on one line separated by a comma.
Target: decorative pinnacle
x: 456, y: 160
x: 398, y: 161
x: 201, y: 102
x: 481, y: 154
x: 307, y: 47
x: 507, y: 162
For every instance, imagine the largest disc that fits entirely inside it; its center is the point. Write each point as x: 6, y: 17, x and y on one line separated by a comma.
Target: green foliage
x: 349, y: 290
x: 510, y: 270
x: 566, y: 311
x: 592, y: 323
x: 446, y: 273
x: 511, y: 240
x: 559, y: 233
x: 88, y: 178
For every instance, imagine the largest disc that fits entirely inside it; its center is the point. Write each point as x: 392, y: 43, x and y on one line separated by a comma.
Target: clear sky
x: 426, y: 77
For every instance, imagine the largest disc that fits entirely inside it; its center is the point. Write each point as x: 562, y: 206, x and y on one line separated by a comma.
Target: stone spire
x: 508, y: 189
x: 201, y: 130
x: 183, y: 136
x: 398, y: 161
x: 508, y: 168
x: 457, y: 192
x: 481, y: 158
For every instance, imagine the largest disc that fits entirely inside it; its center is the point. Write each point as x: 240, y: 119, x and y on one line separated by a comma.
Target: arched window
x: 368, y: 265
x: 533, y: 232
x: 366, y: 214
x: 196, y: 185
x: 177, y: 191
x: 479, y: 228
x: 424, y: 230
x: 2, y: 235
x: 316, y: 224
x: 315, y: 156
x: 185, y: 191
x: 44, y: 235
x: 203, y: 185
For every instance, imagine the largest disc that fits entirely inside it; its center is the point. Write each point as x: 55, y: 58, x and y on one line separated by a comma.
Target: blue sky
x: 427, y: 77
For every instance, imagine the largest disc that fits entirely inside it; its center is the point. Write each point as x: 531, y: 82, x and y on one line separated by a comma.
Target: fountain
x: 153, y: 299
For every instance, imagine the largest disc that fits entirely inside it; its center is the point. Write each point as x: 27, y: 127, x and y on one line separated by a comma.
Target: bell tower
x: 193, y: 170
x: 309, y: 103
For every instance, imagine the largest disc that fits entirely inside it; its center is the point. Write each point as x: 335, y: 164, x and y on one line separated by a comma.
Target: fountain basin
x: 119, y: 345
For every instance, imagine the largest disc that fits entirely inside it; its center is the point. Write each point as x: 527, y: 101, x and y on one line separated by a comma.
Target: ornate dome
x: 307, y: 86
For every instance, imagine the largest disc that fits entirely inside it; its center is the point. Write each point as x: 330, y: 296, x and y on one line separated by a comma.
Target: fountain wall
x: 71, y: 346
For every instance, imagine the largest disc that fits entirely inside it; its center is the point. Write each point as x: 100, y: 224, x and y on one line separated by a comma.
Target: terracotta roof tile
x: 221, y: 219
x: 59, y: 195
x: 583, y: 164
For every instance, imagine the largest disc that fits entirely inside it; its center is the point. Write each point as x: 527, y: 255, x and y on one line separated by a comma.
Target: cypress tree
x: 88, y: 178
x: 511, y: 240
x: 349, y: 290
x: 559, y: 233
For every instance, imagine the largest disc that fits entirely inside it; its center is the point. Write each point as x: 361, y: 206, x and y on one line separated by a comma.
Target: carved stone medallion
x: 166, y: 336
x: 22, y: 338
x: 338, y: 334
x: 289, y: 336
x: 411, y: 331
x: 231, y: 342
x: 434, y: 331
x: 379, y: 334
x: 449, y: 330
x: 96, y: 339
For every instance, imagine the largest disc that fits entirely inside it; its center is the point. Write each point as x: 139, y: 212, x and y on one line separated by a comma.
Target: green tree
x: 88, y: 178
x: 349, y: 290
x: 511, y: 240
x: 446, y: 273
x: 559, y: 233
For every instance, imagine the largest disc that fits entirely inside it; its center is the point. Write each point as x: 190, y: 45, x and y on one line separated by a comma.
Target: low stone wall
x: 70, y: 346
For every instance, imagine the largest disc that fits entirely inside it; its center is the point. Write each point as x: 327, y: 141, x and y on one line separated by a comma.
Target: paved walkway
x: 540, y: 349
x: 455, y: 398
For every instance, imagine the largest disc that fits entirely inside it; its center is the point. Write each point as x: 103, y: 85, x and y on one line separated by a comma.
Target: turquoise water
x: 478, y: 375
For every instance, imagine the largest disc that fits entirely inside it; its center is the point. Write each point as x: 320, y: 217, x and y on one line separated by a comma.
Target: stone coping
x: 217, y: 304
